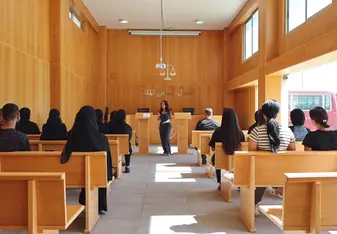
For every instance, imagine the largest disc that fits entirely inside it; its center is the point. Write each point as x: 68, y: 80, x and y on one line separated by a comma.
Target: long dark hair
x: 271, y: 109
x: 167, y: 107
x: 320, y: 116
x: 230, y: 131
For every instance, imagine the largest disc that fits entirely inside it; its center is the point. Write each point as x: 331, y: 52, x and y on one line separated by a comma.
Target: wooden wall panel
x: 235, y: 57
x: 25, y: 55
x: 246, y: 108
x: 131, y: 67
x: 81, y: 82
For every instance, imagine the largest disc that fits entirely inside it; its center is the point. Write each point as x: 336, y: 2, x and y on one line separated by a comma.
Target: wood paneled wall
x: 245, y: 109
x: 25, y: 55
x: 80, y: 80
x: 131, y: 66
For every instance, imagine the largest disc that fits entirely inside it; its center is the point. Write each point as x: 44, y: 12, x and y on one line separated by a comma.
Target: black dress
x: 54, y: 130
x: 85, y: 137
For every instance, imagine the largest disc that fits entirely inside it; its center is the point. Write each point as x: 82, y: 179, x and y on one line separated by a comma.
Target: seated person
x: 121, y: 127
x: 1, y: 119
x: 10, y: 139
x: 24, y: 125
x: 321, y: 139
x: 297, y: 119
x: 270, y: 137
x: 256, y: 116
x: 205, y: 124
x: 112, y: 122
x: 85, y: 137
x: 102, y: 127
x: 54, y: 129
x: 231, y: 136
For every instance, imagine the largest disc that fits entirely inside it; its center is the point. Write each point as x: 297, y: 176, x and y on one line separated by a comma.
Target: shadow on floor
x: 212, y: 223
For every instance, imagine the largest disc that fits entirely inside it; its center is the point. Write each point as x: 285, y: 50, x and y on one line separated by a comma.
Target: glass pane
x: 296, y: 13
x: 307, y: 102
x: 315, y: 6
x: 77, y: 21
x: 248, y: 39
x: 255, y: 32
x: 327, y: 102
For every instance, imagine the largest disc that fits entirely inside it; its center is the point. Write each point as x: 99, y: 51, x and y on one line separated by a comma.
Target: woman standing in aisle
x: 165, y: 127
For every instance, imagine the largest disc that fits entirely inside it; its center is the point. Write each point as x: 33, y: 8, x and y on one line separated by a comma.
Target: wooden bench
x: 33, y: 137
x: 196, y: 140
x: 84, y: 170
x: 42, y: 145
x: 35, y: 202
x: 133, y: 139
x: 309, y: 203
x: 224, y: 160
x: 265, y: 169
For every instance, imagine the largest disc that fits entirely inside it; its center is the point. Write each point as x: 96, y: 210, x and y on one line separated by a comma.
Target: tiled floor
x: 169, y: 195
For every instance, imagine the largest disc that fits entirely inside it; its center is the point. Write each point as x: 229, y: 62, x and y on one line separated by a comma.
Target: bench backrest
x: 204, y: 144
x: 93, y: 164
x: 223, y: 161
x: 33, y: 137
x: 196, y: 137
x: 123, y: 140
x: 310, y: 202
x: 43, y: 145
x: 25, y: 196
x: 263, y: 169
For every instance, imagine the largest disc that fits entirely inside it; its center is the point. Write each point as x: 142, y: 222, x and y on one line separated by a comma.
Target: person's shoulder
x: 20, y: 135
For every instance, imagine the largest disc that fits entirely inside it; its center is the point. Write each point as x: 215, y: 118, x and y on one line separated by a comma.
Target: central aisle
x: 170, y: 195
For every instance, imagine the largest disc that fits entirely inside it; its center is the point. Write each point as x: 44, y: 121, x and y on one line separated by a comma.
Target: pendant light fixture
x: 165, y: 69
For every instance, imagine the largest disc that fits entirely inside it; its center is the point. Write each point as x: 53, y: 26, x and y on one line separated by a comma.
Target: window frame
x: 306, y: 15
x: 244, y: 36
x: 74, y: 17
x: 291, y: 103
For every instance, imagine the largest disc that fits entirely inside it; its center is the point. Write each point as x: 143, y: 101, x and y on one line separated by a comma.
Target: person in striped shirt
x: 270, y: 137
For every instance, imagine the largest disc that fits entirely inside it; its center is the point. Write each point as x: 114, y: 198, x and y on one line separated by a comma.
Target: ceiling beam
x: 78, y: 5
x: 246, y: 11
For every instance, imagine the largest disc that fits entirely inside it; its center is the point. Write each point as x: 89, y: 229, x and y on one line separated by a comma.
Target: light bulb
x: 162, y: 72
x: 173, y: 72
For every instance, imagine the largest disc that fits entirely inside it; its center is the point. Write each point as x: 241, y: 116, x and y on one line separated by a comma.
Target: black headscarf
x: 25, y: 125
x: 54, y: 129
x: 24, y: 114
x: 85, y: 137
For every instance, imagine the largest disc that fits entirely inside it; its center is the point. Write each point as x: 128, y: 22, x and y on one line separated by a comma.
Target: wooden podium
x: 182, y: 131
x: 143, y: 132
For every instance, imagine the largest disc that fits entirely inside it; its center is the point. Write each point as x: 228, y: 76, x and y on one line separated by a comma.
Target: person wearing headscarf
x: 121, y: 127
x: 112, y: 122
x: 54, y: 129
x: 85, y: 137
x: 25, y: 125
x: 2, y: 121
x: 102, y: 127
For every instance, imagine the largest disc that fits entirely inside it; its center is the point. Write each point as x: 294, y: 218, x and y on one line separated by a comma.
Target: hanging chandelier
x: 165, y: 69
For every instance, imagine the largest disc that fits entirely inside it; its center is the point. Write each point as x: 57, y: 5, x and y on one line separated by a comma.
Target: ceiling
x: 178, y: 14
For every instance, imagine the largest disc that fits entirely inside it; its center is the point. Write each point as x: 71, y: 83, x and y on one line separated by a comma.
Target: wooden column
x: 182, y: 128
x: 103, y: 42
x: 55, y: 53
x: 268, y: 49
x: 143, y: 132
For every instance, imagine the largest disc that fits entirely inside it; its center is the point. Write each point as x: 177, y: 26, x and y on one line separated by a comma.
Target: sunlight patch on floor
x: 171, y: 172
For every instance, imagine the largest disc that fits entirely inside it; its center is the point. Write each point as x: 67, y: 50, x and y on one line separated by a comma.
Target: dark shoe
x: 203, y: 158
x: 127, y: 170
x: 123, y: 164
x: 219, y: 187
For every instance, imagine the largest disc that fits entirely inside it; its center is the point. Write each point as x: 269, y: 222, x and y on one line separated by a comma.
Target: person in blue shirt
x: 165, y: 127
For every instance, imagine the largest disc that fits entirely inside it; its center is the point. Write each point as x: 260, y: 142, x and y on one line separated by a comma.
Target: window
x: 75, y: 19
x: 308, y: 102
x: 298, y: 11
x: 251, y: 37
